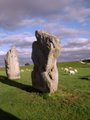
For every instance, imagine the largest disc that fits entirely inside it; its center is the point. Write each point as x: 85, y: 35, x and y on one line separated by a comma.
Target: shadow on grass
x: 28, y: 88
x: 85, y: 78
x: 7, y: 116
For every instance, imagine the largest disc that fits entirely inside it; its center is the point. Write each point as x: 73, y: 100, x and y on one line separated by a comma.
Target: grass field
x: 18, y: 101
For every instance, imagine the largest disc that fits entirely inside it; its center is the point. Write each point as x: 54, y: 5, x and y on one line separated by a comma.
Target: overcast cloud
x: 67, y: 19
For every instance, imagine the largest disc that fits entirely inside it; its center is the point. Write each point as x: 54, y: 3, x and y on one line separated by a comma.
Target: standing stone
x: 44, y: 54
x: 12, y: 64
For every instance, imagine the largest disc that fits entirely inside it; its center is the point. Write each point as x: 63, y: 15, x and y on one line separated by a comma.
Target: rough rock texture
x: 44, y: 54
x: 12, y: 64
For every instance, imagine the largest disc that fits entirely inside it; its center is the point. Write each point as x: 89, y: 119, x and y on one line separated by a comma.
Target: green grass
x: 18, y: 101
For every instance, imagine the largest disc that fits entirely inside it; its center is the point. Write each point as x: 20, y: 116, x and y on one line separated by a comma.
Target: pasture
x: 19, y: 101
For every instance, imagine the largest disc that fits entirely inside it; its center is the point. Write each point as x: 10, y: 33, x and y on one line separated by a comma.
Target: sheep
x: 71, y: 72
x: 22, y: 70
x: 70, y: 68
x: 75, y: 70
x: 26, y: 69
x: 66, y: 70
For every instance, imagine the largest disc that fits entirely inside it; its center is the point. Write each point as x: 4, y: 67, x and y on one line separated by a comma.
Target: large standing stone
x: 12, y: 64
x: 44, y: 54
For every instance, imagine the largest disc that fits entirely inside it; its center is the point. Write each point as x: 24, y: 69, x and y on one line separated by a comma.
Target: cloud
x: 20, y: 40
x: 78, y: 42
x: 14, y: 13
x: 74, y: 56
x: 23, y: 42
x: 76, y: 49
x: 63, y: 31
x: 81, y: 15
x: 24, y: 55
x: 2, y: 53
x: 50, y: 15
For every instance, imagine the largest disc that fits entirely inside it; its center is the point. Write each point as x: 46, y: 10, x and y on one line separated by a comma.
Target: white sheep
x: 71, y: 72
x: 75, y: 70
x: 70, y: 68
x: 66, y: 70
x: 22, y: 70
x: 26, y: 69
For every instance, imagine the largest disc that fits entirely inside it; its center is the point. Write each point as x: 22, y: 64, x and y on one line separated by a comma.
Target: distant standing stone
x: 12, y: 64
x: 44, y: 54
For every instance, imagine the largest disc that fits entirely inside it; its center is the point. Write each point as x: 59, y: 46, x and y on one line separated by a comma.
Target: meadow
x: 19, y: 101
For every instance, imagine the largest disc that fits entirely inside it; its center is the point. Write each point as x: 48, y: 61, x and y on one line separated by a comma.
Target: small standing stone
x: 44, y: 54
x: 12, y: 64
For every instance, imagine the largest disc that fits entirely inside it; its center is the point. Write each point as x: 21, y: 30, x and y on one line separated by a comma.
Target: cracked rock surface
x: 12, y: 64
x: 45, y: 52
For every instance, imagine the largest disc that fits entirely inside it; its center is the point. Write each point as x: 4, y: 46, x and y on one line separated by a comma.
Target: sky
x: 69, y: 20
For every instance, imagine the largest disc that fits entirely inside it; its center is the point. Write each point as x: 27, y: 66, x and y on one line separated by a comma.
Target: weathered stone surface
x: 44, y: 54
x: 12, y: 64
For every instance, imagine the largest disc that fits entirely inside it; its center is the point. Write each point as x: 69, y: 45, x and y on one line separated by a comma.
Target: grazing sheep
x: 70, y: 68
x: 75, y: 70
x: 28, y: 70
x: 66, y: 70
x: 71, y: 72
x: 22, y: 70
